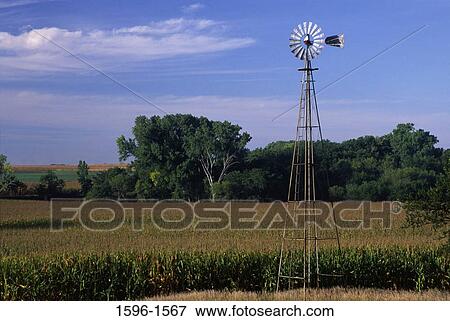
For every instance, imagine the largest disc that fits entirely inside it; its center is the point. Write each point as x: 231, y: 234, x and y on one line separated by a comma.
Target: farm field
x: 32, y: 173
x: 37, y: 263
x: 24, y: 230
x: 33, y: 177
x: 133, y: 275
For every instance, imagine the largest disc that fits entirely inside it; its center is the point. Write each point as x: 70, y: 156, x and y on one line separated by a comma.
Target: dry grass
x: 24, y: 230
x: 72, y: 185
x: 333, y: 294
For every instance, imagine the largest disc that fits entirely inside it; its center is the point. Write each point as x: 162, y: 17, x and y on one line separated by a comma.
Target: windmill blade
x: 309, y: 27
x: 295, y: 37
x: 297, y: 52
x: 314, y: 33
x: 313, y: 30
x: 301, y: 54
x: 335, y: 41
x: 311, y: 54
x: 318, y: 45
x: 305, y: 28
x: 320, y: 41
x: 295, y: 49
x: 318, y: 48
x: 315, y: 49
x: 299, y: 30
x: 296, y: 33
x: 318, y: 37
x: 307, y: 54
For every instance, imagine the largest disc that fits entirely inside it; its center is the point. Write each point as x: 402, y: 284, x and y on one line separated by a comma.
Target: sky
x: 226, y: 60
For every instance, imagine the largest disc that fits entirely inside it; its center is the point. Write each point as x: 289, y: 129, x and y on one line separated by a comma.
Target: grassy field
x: 24, y: 230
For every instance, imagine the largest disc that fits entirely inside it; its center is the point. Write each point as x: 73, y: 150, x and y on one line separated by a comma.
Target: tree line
x: 187, y: 157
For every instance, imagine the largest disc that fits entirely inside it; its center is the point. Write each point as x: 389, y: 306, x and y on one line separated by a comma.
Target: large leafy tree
x: 414, y: 148
x: 434, y: 205
x: 217, y: 146
x: 414, y: 163
x: 158, y: 156
x: 174, y: 154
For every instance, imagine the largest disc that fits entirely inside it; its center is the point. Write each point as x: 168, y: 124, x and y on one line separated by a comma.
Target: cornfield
x: 129, y: 276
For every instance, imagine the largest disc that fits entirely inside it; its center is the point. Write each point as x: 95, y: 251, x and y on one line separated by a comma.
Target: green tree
x: 434, y: 206
x: 113, y: 183
x: 83, y: 177
x: 406, y: 183
x: 174, y: 155
x: 189, y: 157
x: 122, y: 184
x: 249, y: 184
x: 218, y: 146
x: 4, y: 165
x: 50, y: 185
x: 158, y: 146
x: 414, y: 148
x: 9, y: 184
x: 275, y: 161
x: 395, y: 166
x: 6, y: 174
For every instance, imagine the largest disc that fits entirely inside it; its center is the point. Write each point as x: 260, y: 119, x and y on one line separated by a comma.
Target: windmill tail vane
x: 335, y: 41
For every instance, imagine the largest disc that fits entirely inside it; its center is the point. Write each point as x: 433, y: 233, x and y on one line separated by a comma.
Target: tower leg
x: 302, y: 193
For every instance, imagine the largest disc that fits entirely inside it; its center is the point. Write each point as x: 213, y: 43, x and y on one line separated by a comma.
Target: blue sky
x: 221, y: 59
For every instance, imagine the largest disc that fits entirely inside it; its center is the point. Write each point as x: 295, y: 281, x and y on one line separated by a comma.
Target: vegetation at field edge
x: 128, y: 276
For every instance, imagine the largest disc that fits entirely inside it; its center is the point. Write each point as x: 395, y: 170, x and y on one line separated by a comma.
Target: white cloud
x: 170, y: 26
x: 158, y: 40
x: 116, y: 114
x: 15, y: 3
x: 193, y: 8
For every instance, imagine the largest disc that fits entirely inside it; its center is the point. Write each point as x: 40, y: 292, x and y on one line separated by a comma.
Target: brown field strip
x: 332, y: 294
x: 55, y: 167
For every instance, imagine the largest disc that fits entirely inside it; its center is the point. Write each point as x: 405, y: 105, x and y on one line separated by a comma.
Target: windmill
x: 306, y: 42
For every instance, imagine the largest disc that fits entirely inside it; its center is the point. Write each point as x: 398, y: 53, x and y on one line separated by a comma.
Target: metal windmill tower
x: 306, y: 42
